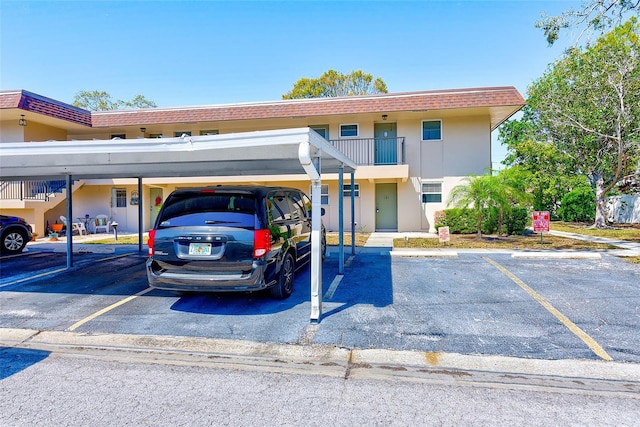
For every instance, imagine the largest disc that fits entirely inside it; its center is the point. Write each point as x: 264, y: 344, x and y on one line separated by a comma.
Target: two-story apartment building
x: 411, y: 150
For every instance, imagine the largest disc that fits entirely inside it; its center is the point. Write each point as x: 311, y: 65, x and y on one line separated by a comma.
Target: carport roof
x: 275, y: 152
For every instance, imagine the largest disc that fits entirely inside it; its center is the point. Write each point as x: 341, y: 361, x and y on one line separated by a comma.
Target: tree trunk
x: 479, y: 224
x: 601, y: 204
x: 500, y: 219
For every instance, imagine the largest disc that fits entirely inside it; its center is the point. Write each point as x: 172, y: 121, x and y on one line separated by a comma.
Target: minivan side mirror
x: 322, y: 212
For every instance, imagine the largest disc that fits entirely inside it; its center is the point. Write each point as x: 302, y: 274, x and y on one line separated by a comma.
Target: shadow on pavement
x: 366, y: 281
x: 14, y: 360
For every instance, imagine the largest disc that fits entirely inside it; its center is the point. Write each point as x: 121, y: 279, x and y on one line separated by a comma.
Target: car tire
x: 284, y: 287
x: 13, y: 242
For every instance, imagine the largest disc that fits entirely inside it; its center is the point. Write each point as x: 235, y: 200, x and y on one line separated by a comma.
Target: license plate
x: 200, y: 249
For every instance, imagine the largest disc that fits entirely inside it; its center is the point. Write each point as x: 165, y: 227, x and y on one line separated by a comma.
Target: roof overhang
x: 274, y: 152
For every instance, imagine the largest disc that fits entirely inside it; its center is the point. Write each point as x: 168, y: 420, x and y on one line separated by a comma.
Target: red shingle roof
x: 380, y: 103
x: 410, y: 101
x: 35, y: 103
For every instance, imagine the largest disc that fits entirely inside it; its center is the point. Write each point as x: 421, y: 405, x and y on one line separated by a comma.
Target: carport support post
x: 69, y: 231
x: 340, y: 220
x: 316, y: 255
x: 140, y: 229
x: 353, y: 213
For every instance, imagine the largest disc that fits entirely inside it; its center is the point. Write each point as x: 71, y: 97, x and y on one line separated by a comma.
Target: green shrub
x: 463, y: 221
x: 516, y: 220
x: 578, y: 205
x: 459, y: 221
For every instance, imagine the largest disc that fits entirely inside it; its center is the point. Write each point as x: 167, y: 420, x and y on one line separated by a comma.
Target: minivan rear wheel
x: 13, y: 242
x: 284, y: 287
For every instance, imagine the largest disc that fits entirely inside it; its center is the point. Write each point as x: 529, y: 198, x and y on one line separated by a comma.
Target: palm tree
x: 508, y: 189
x: 475, y: 192
x: 501, y: 191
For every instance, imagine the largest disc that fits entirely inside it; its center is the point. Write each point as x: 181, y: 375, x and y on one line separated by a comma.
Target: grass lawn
x: 630, y: 232
x: 472, y: 241
x: 122, y: 240
x: 361, y: 238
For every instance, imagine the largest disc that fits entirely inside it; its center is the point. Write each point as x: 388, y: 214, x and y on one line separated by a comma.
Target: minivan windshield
x: 203, y: 209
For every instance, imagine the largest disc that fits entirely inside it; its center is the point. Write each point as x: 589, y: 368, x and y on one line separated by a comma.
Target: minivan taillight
x: 261, y: 242
x: 152, y: 236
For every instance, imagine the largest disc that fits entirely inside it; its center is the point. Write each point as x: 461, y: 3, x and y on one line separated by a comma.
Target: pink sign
x: 443, y: 234
x: 540, y: 221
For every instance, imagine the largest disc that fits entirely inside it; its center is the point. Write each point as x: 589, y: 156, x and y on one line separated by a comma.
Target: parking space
x: 474, y: 304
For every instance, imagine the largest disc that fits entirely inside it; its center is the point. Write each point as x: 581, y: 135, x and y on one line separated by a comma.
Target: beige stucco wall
x: 464, y: 149
x: 10, y: 131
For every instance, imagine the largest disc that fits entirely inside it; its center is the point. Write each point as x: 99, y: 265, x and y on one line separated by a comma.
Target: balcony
x: 31, y: 190
x: 372, y: 151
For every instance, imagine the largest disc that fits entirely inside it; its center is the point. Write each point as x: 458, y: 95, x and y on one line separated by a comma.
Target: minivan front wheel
x: 284, y: 287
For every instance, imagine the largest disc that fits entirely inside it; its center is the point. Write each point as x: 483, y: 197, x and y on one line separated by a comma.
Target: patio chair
x: 75, y: 226
x: 102, y: 223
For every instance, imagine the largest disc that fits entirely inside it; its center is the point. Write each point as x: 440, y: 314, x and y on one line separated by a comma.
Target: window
x: 279, y: 206
x: 324, y: 194
x: 348, y: 130
x: 431, y: 130
x: 431, y: 192
x: 297, y: 212
x: 118, y: 136
x: 346, y: 190
x: 180, y: 133
x: 155, y: 135
x: 323, y: 130
x: 210, y: 132
x: 119, y: 198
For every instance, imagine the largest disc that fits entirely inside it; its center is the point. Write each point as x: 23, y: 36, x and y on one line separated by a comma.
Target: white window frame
x: 346, y: 190
x: 209, y: 132
x: 118, y: 197
x: 350, y: 136
x: 422, y: 130
x: 324, y: 194
x: 424, y: 193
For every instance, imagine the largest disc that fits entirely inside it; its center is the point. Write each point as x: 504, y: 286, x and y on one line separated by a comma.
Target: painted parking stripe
x: 593, y: 345
x: 37, y: 276
x: 58, y: 270
x: 107, y: 309
x: 334, y: 286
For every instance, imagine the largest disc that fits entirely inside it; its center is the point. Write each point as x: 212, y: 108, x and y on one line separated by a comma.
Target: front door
x: 155, y: 203
x: 386, y: 147
x: 386, y: 207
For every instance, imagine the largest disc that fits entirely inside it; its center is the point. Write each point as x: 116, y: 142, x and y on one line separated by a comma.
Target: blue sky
x: 180, y: 53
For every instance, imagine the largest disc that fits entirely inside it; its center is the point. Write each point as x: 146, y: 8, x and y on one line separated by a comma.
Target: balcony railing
x: 30, y: 190
x: 372, y: 151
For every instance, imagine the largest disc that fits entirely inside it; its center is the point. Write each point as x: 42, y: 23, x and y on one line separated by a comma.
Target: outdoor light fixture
x: 143, y: 130
x: 22, y: 121
x: 384, y: 117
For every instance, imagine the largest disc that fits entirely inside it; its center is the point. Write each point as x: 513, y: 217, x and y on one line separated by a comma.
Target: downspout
x: 311, y: 164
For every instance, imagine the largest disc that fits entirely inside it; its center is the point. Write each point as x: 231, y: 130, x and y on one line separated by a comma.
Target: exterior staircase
x: 34, y: 198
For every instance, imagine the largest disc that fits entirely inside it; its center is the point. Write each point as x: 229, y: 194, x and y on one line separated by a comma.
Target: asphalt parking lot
x: 476, y: 303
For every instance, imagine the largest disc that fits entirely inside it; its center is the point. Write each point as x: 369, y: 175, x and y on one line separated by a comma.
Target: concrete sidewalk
x: 586, y: 375
x: 85, y: 244
x: 630, y: 248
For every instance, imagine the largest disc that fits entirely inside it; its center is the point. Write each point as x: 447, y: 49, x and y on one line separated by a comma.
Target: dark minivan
x: 231, y: 238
